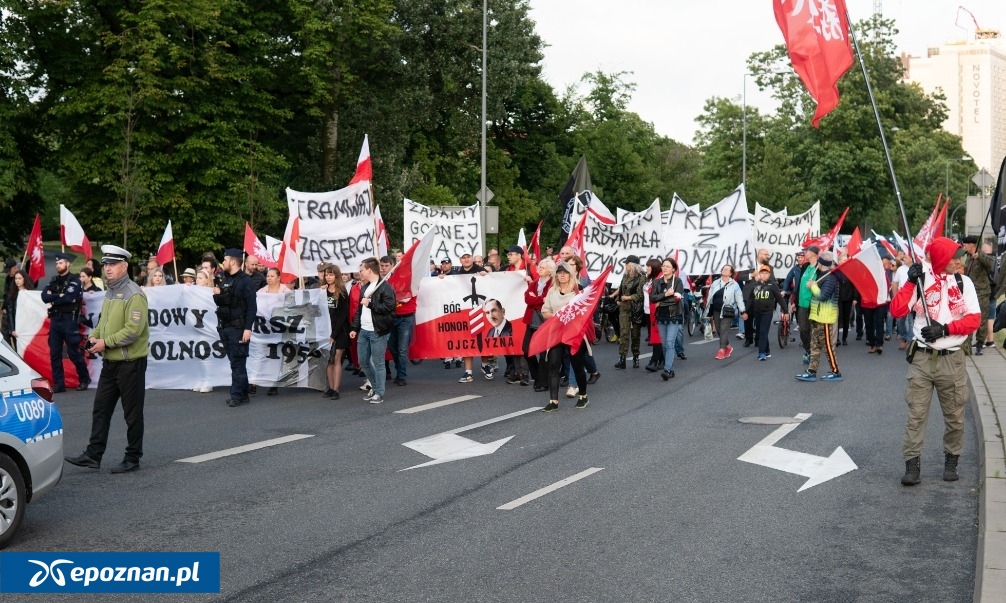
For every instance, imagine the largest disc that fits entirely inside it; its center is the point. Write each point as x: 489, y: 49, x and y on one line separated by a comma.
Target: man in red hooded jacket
x: 947, y: 313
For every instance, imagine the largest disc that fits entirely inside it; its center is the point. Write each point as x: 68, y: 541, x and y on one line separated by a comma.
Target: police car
x: 31, y: 440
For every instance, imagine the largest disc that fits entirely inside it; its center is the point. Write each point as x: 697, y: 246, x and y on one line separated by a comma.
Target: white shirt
x: 366, y: 317
x: 901, y: 275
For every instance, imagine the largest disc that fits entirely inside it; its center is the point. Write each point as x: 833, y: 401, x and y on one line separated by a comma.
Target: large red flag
x: 825, y: 242
x: 36, y: 253
x: 866, y: 272
x: 816, y: 34
x: 928, y: 229
x: 534, y: 244
x: 855, y: 243
x: 404, y: 278
x: 253, y: 246
x: 364, y: 168
x: 572, y: 322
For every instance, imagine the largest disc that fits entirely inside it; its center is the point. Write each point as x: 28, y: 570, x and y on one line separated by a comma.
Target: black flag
x: 578, y: 182
x: 997, y: 206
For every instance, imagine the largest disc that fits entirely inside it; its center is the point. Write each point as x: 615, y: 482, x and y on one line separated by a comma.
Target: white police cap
x: 113, y: 254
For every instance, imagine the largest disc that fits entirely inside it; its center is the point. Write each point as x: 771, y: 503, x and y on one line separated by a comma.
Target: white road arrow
x: 817, y: 469
x: 448, y: 446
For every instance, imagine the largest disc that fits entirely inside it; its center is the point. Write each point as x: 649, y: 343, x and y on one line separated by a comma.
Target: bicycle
x: 784, y: 331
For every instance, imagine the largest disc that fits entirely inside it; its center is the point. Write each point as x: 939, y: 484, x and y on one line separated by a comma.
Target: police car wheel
x: 12, y: 499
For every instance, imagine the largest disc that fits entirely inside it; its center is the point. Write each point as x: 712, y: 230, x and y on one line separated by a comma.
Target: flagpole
x: 373, y: 218
x: 880, y: 128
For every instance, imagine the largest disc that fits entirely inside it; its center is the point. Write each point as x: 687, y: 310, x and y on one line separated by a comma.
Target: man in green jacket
x: 122, y: 337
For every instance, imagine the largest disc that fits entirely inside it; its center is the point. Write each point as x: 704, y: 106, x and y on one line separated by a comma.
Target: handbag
x: 638, y: 316
x: 728, y: 311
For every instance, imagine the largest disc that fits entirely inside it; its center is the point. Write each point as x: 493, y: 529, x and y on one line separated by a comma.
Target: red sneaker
x: 720, y: 355
x: 730, y: 350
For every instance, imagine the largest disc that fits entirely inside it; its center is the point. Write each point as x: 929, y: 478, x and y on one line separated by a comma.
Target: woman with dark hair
x: 22, y: 282
x: 87, y: 279
x: 668, y: 294
x: 649, y: 306
x: 96, y: 273
x: 338, y: 315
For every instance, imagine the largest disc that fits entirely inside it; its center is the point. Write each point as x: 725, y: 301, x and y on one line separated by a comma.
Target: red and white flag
x: 572, y: 322
x: 289, y: 256
x: 166, y: 250
x: 885, y: 244
x: 600, y: 210
x: 827, y: 240
x: 933, y: 227
x: 383, y: 243
x: 71, y: 233
x: 405, y: 276
x: 36, y: 252
x: 364, y: 169
x: 855, y: 243
x: 903, y: 244
x: 253, y: 246
x: 533, y: 246
x: 866, y: 272
x: 817, y: 38
x: 577, y: 240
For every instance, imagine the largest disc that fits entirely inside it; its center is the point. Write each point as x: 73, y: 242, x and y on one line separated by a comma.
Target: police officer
x: 122, y: 337
x: 64, y: 296
x: 236, y: 309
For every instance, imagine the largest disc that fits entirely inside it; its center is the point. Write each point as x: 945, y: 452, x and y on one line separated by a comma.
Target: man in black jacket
x: 236, y: 310
x: 63, y: 295
x: 372, y: 326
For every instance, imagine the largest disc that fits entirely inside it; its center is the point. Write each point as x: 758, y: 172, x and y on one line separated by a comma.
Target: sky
x: 683, y: 52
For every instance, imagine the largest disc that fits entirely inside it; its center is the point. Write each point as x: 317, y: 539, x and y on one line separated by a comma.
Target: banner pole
x: 373, y: 221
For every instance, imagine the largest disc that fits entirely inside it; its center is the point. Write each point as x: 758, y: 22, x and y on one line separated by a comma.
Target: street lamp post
x: 483, y: 201
x: 946, y: 188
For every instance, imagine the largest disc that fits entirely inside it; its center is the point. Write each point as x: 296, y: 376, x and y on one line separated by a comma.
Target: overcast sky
x: 682, y: 52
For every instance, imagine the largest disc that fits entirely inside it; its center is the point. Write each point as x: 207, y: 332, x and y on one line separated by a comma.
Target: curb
x: 987, y: 381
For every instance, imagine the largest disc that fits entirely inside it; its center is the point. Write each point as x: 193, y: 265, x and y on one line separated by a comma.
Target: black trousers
x: 535, y: 363
x: 844, y: 316
x: 63, y: 327
x: 751, y: 329
x: 803, y: 321
x: 763, y: 322
x: 237, y: 353
x: 126, y: 380
x: 873, y: 320
x: 555, y: 356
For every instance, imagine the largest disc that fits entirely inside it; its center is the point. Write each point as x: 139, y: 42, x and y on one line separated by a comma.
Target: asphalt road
x: 671, y: 516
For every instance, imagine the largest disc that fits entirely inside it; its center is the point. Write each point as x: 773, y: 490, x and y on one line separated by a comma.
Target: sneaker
x: 832, y: 377
x: 807, y: 376
x: 682, y: 356
x: 582, y: 402
x: 525, y: 380
x: 375, y: 400
x: 513, y: 379
x: 563, y: 381
x: 720, y: 354
x: 370, y: 396
x: 571, y: 391
x: 540, y: 388
x: 740, y: 336
x: 366, y: 387
x: 665, y: 375
x: 466, y: 378
x: 762, y: 357
x: 593, y: 378
x: 447, y: 364
x: 552, y: 406
x: 730, y: 350
x: 487, y: 371
x: 767, y: 356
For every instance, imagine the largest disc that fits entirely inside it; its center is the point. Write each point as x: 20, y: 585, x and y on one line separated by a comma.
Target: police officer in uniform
x: 122, y: 337
x: 236, y: 309
x: 64, y: 295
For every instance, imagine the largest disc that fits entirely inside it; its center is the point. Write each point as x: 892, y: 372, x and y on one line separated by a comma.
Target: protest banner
x: 335, y: 227
x: 706, y: 240
x: 783, y: 234
x: 469, y: 315
x: 290, y: 340
x: 608, y: 244
x: 624, y: 215
x: 458, y: 229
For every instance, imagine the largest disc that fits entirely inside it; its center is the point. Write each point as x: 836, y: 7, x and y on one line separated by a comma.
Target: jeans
x: 370, y: 349
x: 237, y: 354
x: 398, y: 343
x: 669, y: 332
x: 874, y: 320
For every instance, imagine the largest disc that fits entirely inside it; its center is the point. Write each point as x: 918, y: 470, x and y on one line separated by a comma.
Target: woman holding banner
x: 564, y: 288
x: 338, y: 315
x: 534, y: 297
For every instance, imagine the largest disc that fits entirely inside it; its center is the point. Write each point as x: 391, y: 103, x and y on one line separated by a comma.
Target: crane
x: 980, y: 34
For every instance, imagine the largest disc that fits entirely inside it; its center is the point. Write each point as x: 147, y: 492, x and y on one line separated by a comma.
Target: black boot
x: 950, y: 467
x: 912, y: 470
x: 621, y: 362
x: 652, y: 365
x: 635, y: 362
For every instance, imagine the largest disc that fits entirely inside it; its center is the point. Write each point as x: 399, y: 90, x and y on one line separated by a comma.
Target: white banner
x: 706, y: 240
x: 606, y: 245
x: 783, y: 234
x: 624, y: 215
x: 289, y: 345
x: 459, y: 230
x: 335, y: 226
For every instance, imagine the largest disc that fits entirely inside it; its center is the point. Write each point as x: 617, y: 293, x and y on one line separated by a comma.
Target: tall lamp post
x: 946, y: 191
x: 483, y: 201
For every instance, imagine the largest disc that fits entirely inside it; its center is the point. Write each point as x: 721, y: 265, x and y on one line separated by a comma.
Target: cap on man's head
x: 233, y: 252
x: 814, y: 249
x: 63, y: 256
x: 445, y: 261
x: 970, y: 240
x: 764, y: 268
x: 801, y: 253
x: 515, y: 249
x: 466, y: 255
x: 631, y: 259
x: 959, y: 253
x: 10, y: 263
x: 113, y: 254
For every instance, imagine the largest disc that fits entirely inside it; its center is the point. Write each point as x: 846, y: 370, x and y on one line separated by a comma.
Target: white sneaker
x: 375, y: 400
x: 366, y: 387
x: 370, y: 396
x: 572, y: 391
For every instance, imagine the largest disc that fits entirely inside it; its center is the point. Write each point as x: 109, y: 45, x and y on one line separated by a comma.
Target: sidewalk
x: 987, y: 379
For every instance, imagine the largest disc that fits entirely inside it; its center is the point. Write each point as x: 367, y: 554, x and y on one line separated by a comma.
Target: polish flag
x: 885, y: 244
x: 253, y: 246
x: 166, y: 250
x: 71, y: 233
x: 364, y: 169
x: 572, y: 322
x: 383, y: 243
x: 289, y: 257
x: 826, y: 241
x: 866, y: 272
x: 934, y: 225
x: 36, y: 252
x: 855, y: 243
x: 577, y: 240
x: 599, y: 209
x: 405, y: 275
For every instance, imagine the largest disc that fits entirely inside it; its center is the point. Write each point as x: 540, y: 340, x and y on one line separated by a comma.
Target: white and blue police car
x: 31, y: 440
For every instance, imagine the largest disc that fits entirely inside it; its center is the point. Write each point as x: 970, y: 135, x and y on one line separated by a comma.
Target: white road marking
x: 496, y: 420
x: 547, y: 489
x: 647, y: 355
x: 246, y: 448
x: 432, y: 405
x: 447, y: 446
x: 703, y: 342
